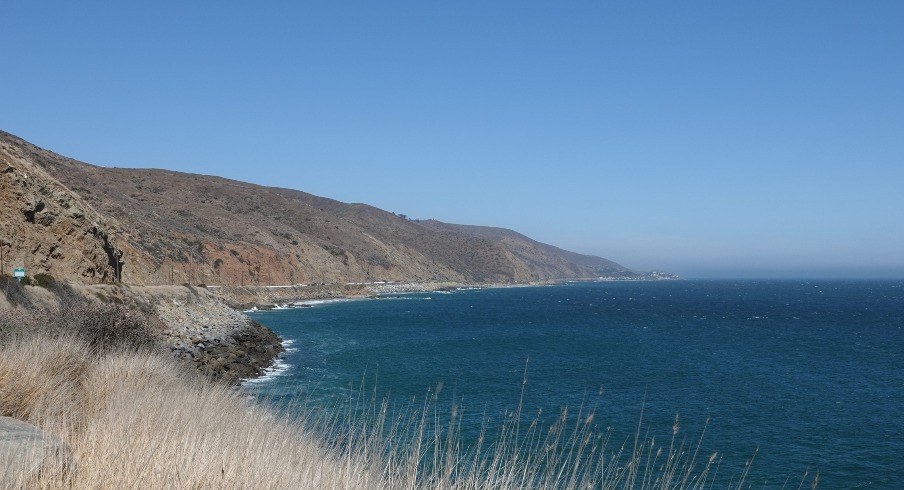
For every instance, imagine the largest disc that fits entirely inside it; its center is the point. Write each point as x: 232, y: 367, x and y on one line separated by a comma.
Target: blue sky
x: 711, y: 139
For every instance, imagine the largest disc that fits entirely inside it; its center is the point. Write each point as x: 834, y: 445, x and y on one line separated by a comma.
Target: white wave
x: 287, y: 345
x: 279, y: 367
x: 406, y: 297
x: 315, y: 302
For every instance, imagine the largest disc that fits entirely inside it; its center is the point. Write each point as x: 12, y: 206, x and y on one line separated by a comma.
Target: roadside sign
x: 19, y: 272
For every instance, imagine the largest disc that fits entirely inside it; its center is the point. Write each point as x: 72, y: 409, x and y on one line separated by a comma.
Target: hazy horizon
x: 791, y: 274
x: 708, y: 140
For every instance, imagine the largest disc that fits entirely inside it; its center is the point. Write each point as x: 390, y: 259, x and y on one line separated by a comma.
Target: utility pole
x: 117, y: 254
x: 1, y: 267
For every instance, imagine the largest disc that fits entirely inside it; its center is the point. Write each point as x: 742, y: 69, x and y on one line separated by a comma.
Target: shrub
x: 13, y: 290
x: 102, y: 327
x: 44, y: 280
x: 108, y: 326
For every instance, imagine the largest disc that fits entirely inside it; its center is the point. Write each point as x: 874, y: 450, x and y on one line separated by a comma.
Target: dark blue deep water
x: 809, y: 375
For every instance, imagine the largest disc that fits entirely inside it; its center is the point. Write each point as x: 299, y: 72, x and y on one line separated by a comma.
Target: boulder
x: 28, y: 454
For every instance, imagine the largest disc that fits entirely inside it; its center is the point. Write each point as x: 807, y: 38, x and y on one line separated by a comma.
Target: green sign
x: 19, y: 272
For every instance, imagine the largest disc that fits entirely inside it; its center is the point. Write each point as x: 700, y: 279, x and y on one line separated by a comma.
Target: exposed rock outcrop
x: 47, y: 228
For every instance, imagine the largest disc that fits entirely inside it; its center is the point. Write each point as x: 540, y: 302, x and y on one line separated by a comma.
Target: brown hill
x: 73, y: 220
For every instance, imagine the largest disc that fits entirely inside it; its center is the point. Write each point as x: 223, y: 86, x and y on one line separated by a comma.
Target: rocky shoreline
x: 213, y: 338
x: 240, y: 355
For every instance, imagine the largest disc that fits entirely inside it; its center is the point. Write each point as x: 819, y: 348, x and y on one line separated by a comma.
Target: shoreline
x: 286, y: 297
x: 206, y: 329
x: 244, y: 298
x: 264, y: 298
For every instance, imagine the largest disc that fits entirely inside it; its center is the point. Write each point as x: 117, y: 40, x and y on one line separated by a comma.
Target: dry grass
x: 422, y: 450
x: 133, y: 419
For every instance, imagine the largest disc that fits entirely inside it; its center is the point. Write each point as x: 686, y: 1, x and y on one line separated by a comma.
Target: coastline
x: 206, y: 329
x: 248, y: 299
x: 243, y: 298
x: 256, y: 298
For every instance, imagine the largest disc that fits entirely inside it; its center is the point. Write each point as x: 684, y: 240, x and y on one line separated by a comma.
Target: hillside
x: 92, y: 224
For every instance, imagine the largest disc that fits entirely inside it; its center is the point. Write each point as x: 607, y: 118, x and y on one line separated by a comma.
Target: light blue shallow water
x: 810, y: 374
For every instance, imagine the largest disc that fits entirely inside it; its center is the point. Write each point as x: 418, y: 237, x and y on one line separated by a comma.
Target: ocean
x: 799, y: 375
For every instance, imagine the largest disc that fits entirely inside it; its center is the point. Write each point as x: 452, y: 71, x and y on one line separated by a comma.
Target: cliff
x: 45, y: 227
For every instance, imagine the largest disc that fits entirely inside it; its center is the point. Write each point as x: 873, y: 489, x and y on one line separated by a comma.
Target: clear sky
x: 710, y: 139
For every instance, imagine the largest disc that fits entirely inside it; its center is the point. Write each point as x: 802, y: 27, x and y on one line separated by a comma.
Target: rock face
x: 47, y: 228
x: 153, y: 227
x: 28, y: 453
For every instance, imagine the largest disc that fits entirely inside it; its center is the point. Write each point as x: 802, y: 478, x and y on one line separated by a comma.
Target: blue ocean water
x: 805, y: 375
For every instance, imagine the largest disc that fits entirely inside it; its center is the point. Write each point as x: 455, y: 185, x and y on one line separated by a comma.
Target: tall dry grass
x: 422, y: 450
x: 134, y: 419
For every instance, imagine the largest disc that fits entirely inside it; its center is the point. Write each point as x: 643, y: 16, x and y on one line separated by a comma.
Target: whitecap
x: 315, y: 302
x: 279, y: 367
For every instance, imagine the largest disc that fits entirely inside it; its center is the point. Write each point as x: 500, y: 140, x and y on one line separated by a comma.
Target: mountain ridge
x: 93, y: 224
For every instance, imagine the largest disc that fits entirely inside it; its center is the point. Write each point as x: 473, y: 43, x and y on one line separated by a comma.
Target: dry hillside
x: 73, y: 220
